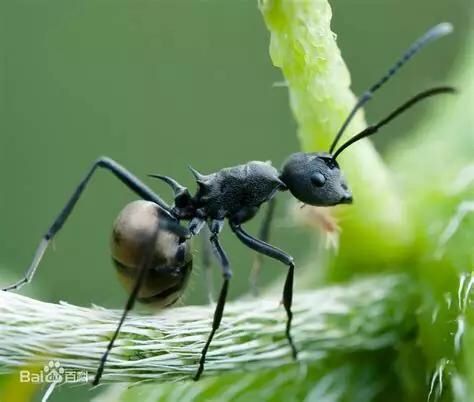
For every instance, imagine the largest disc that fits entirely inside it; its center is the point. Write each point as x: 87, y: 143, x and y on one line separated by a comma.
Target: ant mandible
x: 151, y: 250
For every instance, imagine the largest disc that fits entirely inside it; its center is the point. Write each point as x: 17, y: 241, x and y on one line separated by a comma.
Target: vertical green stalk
x: 304, y: 47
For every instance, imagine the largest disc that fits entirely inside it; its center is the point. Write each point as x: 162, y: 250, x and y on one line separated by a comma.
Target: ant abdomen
x: 169, y: 272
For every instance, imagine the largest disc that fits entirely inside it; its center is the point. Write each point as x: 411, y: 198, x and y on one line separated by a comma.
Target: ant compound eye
x: 318, y: 179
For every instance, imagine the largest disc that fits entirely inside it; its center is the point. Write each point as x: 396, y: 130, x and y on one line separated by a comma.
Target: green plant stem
x: 304, y: 47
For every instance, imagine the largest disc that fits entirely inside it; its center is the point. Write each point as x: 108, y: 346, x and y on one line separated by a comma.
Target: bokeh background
x: 158, y: 85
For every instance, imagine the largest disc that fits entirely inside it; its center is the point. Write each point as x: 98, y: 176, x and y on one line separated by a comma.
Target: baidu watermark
x: 53, y: 373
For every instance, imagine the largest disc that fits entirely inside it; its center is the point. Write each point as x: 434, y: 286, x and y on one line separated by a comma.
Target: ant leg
x: 145, y: 266
x: 126, y: 178
x: 264, y: 235
x: 206, y: 264
x: 273, y: 252
x: 216, y: 227
x: 195, y: 226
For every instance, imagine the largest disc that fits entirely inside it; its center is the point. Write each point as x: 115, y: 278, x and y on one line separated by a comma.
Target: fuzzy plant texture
x: 404, y: 333
x: 166, y: 347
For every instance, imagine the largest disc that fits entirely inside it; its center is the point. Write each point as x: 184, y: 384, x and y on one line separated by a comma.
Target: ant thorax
x: 237, y: 192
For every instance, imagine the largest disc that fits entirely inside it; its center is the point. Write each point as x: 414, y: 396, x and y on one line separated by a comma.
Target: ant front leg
x: 263, y: 235
x: 127, y: 178
x: 216, y: 227
x: 273, y: 252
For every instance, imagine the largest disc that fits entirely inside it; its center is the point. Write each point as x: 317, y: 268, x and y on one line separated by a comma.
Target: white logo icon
x: 53, y: 373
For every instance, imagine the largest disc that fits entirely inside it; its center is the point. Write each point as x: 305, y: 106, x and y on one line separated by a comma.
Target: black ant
x: 151, y: 250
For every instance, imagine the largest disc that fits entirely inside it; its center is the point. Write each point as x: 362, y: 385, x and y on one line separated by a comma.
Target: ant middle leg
x: 274, y: 252
x: 216, y: 227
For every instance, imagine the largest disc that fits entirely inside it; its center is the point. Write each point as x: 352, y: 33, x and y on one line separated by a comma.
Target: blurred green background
x: 158, y: 85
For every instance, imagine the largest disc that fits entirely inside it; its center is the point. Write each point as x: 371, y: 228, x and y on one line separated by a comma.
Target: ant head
x: 315, y: 179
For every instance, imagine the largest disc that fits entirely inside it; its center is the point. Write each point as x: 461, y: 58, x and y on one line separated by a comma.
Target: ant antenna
x: 434, y: 33
x: 372, y: 129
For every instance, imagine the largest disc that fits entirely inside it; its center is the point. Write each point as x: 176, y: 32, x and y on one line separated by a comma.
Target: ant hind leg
x: 127, y: 178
